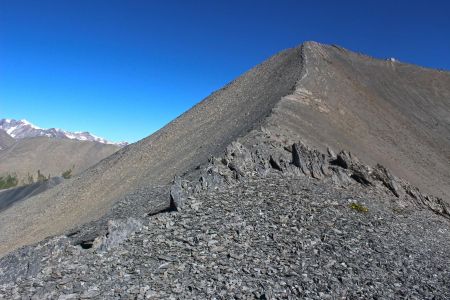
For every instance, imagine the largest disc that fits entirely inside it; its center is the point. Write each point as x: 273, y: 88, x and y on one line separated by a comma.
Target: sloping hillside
x: 5, y: 140
x: 384, y: 112
x: 10, y: 196
x: 51, y: 156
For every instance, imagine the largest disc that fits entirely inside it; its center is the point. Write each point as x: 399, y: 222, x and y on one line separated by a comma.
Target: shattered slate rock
x: 331, y: 153
x: 275, y: 163
x: 276, y: 231
x: 345, y: 160
x: 277, y: 236
x: 118, y: 231
x: 382, y: 174
x: 177, y: 197
x: 361, y: 177
x: 298, y: 159
x: 340, y: 177
x: 311, y: 162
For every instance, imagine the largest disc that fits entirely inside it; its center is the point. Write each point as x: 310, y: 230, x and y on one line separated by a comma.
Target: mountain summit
x: 20, y: 129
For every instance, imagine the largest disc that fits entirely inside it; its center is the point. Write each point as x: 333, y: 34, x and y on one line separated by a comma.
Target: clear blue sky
x: 123, y: 69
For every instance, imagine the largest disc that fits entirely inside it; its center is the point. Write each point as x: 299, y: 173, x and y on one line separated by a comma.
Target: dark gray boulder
x: 118, y: 232
x: 311, y: 162
x: 275, y: 163
x: 177, y: 197
x: 299, y: 160
x: 382, y: 174
x: 340, y: 177
x: 344, y: 159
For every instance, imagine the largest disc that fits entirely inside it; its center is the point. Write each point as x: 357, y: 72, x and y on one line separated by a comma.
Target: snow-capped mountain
x: 20, y: 129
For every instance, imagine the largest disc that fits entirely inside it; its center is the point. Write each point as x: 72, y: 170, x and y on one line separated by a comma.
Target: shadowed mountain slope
x: 385, y: 112
x: 10, y: 196
x: 51, y: 156
x: 5, y: 140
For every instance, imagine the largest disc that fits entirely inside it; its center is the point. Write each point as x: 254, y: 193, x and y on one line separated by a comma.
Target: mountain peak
x: 24, y: 121
x: 20, y: 129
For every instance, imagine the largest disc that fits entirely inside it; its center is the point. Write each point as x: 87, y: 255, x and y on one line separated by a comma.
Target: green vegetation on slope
x: 8, y: 182
x: 68, y: 173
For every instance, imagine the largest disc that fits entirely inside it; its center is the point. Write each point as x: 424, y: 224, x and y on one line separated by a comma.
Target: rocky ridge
x: 271, y: 218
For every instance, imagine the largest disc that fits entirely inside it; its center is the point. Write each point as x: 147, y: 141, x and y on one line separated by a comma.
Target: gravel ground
x: 274, y: 237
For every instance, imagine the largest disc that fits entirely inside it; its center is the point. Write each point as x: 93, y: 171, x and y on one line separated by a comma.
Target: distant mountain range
x: 19, y: 129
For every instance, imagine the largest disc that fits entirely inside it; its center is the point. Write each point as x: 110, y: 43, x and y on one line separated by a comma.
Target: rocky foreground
x: 270, y: 221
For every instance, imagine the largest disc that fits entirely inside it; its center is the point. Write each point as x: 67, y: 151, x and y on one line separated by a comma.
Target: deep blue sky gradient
x: 123, y: 69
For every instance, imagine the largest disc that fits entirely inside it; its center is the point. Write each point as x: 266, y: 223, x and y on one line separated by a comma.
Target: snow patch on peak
x: 23, y: 121
x: 10, y: 131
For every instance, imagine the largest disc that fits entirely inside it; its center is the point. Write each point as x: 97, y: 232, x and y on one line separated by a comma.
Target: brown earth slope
x: 5, y: 140
x: 51, y: 156
x: 386, y: 112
